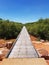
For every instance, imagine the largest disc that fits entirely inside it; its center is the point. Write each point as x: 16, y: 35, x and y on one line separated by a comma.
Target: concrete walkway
x: 23, y: 47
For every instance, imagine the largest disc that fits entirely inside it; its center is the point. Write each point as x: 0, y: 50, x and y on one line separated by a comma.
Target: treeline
x: 39, y: 29
x: 10, y: 29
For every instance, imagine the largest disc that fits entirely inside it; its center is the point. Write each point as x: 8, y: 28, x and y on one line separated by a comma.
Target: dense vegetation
x: 10, y: 29
x: 39, y: 29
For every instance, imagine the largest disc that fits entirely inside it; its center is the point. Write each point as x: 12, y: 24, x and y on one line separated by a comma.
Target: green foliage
x: 10, y: 29
x: 39, y: 28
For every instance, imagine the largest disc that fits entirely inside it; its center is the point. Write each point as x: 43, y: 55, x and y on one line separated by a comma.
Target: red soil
x: 41, y: 47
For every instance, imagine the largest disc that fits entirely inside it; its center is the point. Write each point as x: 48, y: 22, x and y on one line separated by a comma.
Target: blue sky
x: 24, y: 10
